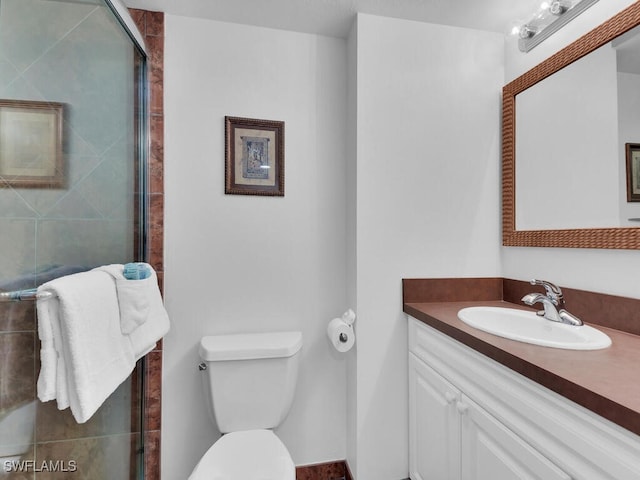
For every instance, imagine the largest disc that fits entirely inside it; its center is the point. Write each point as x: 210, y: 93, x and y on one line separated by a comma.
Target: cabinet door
x: 434, y: 425
x: 492, y: 451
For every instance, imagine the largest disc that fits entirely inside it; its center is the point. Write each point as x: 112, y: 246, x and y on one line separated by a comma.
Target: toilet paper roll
x: 341, y: 335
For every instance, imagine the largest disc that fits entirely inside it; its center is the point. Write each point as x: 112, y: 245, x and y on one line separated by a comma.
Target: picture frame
x: 633, y: 171
x: 31, y: 144
x: 254, y: 156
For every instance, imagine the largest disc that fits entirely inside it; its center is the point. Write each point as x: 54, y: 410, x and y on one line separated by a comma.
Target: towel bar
x: 20, y: 295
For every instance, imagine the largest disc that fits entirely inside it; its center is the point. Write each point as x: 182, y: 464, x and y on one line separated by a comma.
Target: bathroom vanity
x: 486, y: 407
x: 482, y: 406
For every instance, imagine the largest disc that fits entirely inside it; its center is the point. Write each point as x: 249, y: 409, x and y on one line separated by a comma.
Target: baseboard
x: 347, y: 471
x: 337, y: 470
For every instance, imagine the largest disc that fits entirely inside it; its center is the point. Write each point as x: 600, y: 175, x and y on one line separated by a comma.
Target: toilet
x: 249, y: 381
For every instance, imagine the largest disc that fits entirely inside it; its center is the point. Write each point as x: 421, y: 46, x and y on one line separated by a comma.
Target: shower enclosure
x: 72, y: 182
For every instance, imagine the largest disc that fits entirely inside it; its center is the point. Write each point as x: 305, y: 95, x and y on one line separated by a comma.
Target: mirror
x: 564, y: 174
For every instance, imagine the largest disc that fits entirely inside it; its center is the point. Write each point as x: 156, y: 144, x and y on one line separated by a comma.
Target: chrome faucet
x: 551, y: 300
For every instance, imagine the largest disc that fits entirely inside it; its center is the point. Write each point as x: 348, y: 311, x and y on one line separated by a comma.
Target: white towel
x: 51, y: 363
x: 81, y: 324
x: 142, y: 314
x: 133, y: 297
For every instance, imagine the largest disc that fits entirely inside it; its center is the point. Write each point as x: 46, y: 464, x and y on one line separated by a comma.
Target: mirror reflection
x: 572, y: 128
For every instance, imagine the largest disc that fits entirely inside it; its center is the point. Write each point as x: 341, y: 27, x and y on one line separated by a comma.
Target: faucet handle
x: 553, y: 291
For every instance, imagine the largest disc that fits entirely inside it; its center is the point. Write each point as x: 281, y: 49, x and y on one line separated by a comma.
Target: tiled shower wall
x: 75, y: 54
x: 151, y: 25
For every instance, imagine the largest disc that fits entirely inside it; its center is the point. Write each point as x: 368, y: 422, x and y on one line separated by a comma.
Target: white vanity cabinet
x: 474, y: 419
x: 454, y: 438
x: 434, y: 424
x: 490, y: 450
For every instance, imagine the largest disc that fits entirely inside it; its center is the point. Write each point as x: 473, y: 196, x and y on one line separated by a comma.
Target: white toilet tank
x: 250, y: 379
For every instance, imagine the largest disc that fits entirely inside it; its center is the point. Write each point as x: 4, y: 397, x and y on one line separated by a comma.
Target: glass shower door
x: 72, y: 125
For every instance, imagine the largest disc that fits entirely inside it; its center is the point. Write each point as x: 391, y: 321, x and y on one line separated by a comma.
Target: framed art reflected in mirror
x: 633, y: 171
x: 31, y: 144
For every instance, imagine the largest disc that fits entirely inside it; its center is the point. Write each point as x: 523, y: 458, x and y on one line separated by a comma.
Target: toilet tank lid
x: 250, y: 346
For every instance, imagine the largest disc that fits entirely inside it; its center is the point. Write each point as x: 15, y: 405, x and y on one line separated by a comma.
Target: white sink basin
x: 525, y: 326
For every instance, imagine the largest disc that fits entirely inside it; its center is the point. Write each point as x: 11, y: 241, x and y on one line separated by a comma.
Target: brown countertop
x: 606, y: 381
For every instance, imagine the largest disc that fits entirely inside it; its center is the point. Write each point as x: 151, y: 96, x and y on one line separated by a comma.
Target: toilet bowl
x: 249, y: 382
x: 16, y: 436
x: 250, y: 455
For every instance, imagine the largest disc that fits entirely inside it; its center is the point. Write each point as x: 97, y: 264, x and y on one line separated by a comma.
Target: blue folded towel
x: 17, y: 295
x: 136, y: 271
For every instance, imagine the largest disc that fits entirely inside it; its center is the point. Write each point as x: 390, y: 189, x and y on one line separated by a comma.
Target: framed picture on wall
x: 633, y: 171
x: 254, y: 157
x: 31, y: 144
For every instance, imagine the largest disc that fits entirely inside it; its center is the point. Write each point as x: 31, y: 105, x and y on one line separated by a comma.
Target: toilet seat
x: 246, y: 455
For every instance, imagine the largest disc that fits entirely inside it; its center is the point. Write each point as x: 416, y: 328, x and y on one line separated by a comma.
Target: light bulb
x: 526, y: 32
x: 557, y: 8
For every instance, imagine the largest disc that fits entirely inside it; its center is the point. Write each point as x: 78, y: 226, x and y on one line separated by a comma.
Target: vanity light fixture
x: 550, y: 17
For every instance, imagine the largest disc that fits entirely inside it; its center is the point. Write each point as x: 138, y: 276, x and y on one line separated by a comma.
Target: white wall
x: 606, y: 271
x: 427, y: 142
x: 240, y: 263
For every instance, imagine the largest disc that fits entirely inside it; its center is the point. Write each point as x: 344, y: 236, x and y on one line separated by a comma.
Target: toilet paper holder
x: 340, y: 331
x: 348, y: 317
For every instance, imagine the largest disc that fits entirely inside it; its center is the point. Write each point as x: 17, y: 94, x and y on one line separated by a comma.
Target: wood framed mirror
x: 513, y: 234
